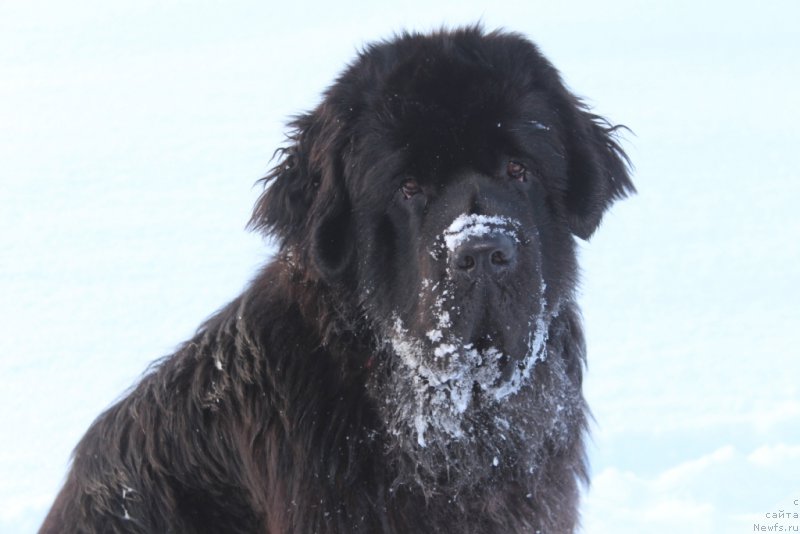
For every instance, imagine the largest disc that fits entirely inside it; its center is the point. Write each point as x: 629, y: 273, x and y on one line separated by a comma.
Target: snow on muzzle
x: 446, y: 362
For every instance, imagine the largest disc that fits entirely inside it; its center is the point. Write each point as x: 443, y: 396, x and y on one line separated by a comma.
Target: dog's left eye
x: 410, y: 188
x: 517, y: 171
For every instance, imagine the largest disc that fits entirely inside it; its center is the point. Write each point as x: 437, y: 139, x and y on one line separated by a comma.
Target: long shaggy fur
x: 360, y: 383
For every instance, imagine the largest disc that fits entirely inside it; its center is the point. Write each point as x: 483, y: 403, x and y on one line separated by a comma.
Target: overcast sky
x: 131, y: 134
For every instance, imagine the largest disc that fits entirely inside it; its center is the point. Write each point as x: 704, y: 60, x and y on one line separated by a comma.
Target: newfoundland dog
x: 411, y: 360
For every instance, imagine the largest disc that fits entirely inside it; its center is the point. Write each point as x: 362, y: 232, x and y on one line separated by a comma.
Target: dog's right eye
x: 517, y: 171
x: 410, y: 188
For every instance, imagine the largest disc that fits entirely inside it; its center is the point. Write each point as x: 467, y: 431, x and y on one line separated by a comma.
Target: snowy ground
x: 133, y: 131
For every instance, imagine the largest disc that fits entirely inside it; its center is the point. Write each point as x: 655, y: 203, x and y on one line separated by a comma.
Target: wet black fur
x: 268, y: 419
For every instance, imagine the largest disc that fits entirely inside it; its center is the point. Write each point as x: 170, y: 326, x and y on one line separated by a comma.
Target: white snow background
x: 131, y: 133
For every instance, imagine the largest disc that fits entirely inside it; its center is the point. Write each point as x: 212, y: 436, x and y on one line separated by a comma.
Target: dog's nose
x: 485, y: 255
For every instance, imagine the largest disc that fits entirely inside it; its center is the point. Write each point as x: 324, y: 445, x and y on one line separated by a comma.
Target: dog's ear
x: 331, y: 242
x: 597, y: 169
x: 305, y: 204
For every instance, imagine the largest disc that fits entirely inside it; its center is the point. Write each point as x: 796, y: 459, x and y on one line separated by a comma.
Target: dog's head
x: 439, y: 186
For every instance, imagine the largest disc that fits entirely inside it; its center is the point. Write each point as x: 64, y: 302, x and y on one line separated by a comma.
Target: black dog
x: 412, y: 360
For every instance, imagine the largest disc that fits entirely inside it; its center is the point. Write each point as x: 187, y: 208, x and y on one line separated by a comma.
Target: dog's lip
x: 496, y: 338
x: 483, y: 343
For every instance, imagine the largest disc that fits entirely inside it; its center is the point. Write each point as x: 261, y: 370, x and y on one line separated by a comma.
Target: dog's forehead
x: 452, y: 115
x: 446, y: 93
x: 475, y: 133
x: 461, y: 109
